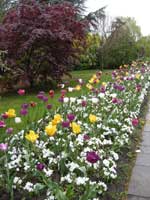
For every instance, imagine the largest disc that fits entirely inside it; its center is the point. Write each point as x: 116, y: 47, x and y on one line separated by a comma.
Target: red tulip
x: 51, y: 93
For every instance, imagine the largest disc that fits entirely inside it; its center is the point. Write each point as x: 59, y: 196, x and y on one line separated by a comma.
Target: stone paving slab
x: 147, y: 116
x: 139, y: 186
x: 145, y: 149
x: 143, y: 160
x: 140, y: 182
x: 146, y: 138
x: 132, y: 197
x: 147, y: 127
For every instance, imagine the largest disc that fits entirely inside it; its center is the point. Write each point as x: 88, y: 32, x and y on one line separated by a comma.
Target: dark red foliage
x: 39, y: 39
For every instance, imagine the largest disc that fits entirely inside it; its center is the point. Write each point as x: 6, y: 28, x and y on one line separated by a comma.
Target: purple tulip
x: 49, y: 106
x: 40, y: 96
x: 92, y: 157
x: 102, y: 89
x: 24, y: 106
x: 61, y: 99
x: 119, y: 87
x: 71, y: 117
x: 84, y: 103
x: 4, y: 116
x: 40, y: 166
x: 45, y: 99
x: 65, y: 124
x: 3, y: 146
x: 23, y: 112
x: 2, y: 124
x: 9, y: 130
x: 86, y: 137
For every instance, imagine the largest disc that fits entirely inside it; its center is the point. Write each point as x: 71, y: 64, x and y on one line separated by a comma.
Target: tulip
x: 71, y: 117
x: 3, y: 146
x: 92, y: 157
x: 40, y: 166
x: 51, y: 93
x: 2, y: 124
x: 135, y: 122
x: 21, y: 92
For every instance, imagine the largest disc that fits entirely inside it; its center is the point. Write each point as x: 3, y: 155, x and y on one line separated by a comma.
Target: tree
x: 119, y: 42
x: 4, y: 6
x: 143, y: 47
x: 76, y: 3
x: 134, y: 29
x: 39, y: 39
x: 88, y: 59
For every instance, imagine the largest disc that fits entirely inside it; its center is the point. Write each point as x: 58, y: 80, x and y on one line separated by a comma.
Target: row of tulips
x: 72, y: 153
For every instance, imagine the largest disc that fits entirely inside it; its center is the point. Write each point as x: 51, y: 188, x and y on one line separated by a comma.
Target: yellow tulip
x: 31, y: 136
x: 78, y: 87
x: 11, y: 113
x: 104, y: 84
x: 91, y: 80
x: 58, y: 118
x: 92, y: 118
x: 76, y: 128
x: 50, y: 130
x: 138, y: 76
x: 89, y: 86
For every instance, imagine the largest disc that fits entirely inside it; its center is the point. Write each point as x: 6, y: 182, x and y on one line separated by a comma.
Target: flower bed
x: 72, y: 153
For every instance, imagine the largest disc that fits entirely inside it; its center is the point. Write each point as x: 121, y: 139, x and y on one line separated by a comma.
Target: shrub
x: 89, y: 59
x: 39, y: 39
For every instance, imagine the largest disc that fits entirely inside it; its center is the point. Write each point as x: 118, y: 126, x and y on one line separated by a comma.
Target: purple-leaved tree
x: 39, y: 39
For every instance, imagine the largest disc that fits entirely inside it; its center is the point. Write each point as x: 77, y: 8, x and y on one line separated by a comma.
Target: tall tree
x: 119, y: 43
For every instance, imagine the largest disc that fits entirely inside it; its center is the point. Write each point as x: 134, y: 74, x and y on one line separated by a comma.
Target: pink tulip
x: 21, y: 92
x: 3, y: 146
x: 135, y: 122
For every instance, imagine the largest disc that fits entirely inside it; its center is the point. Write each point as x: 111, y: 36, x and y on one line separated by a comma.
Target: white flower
x: 70, y: 89
x: 114, y: 95
x: 79, y: 101
x: 72, y: 99
x: 81, y: 180
x: 95, y: 100
x: 17, y: 120
x: 80, y: 80
x: 66, y: 100
x: 101, y: 95
x: 67, y: 178
x: 72, y: 166
x: 48, y: 172
x: 29, y: 186
x: 106, y: 163
x: 17, y: 180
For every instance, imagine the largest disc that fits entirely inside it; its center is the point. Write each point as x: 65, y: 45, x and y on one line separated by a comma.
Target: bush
x: 89, y: 59
x: 39, y: 39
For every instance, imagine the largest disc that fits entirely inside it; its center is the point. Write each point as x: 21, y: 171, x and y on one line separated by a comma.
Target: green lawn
x: 13, y: 100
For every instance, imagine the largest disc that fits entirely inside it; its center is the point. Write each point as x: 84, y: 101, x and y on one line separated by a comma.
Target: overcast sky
x: 139, y: 9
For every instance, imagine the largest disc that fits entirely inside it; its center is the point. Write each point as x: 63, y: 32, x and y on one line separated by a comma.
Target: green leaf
x: 89, y: 193
x: 60, y: 195
x: 57, y: 190
x: 39, y: 186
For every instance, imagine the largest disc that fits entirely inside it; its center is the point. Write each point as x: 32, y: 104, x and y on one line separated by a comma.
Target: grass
x: 13, y: 100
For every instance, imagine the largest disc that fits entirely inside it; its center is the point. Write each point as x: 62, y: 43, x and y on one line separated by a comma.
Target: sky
x: 138, y: 9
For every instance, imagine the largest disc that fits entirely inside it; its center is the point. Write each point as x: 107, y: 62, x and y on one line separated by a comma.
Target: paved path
x: 139, y: 187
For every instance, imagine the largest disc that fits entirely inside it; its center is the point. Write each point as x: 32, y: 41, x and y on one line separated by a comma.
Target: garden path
x: 139, y: 187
